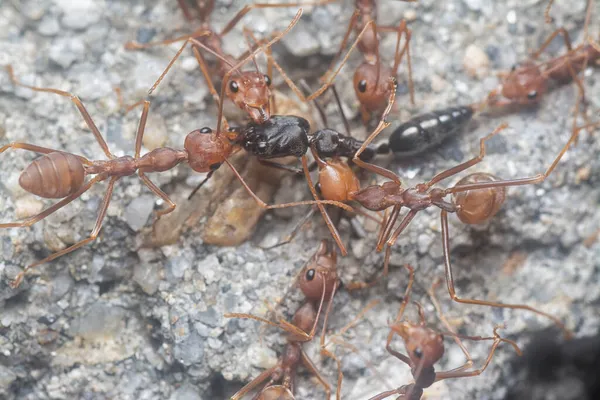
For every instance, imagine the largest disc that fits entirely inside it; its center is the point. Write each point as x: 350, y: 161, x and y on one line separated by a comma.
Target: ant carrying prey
x: 61, y: 175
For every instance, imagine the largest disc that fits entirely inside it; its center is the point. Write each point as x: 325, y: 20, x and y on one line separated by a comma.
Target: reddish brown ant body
x: 62, y: 175
x: 370, y: 80
x: 318, y: 281
x: 476, y: 198
x: 249, y: 90
x: 425, y: 347
x: 527, y: 83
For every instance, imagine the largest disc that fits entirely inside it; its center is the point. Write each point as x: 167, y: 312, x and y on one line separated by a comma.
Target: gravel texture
x: 122, y: 321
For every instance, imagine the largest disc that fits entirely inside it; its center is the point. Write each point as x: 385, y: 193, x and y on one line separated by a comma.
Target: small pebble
x: 27, y: 207
x: 48, y: 26
x: 65, y: 52
x: 79, y: 14
x: 138, y: 211
x: 476, y: 62
x: 155, y: 135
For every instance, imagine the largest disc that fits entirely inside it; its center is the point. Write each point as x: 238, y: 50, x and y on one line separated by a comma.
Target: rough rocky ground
x: 114, y: 320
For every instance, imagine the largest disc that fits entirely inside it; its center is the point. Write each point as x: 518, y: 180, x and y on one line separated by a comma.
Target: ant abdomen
x: 426, y: 131
x: 276, y: 392
x: 338, y: 181
x: 53, y: 176
x: 476, y: 206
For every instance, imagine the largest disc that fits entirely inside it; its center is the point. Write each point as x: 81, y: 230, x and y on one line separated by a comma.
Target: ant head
x: 372, y: 86
x: 477, y: 206
x: 525, y: 84
x: 206, y: 149
x: 320, y: 273
x: 276, y: 392
x: 305, y: 317
x: 251, y: 92
x: 337, y: 180
x: 424, y: 345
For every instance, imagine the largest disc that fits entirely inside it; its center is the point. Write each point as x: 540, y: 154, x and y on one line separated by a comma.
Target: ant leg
x: 255, y: 382
x: 386, y: 228
x: 381, y: 126
x: 342, y: 113
x: 264, y: 205
x: 208, y: 176
x: 438, y: 308
x: 328, y: 222
x: 399, y: 54
x: 82, y: 110
x: 547, y: 16
x: 38, y: 149
x: 452, y: 291
x: 141, y: 128
x: 339, y: 341
x: 462, y: 374
x: 205, y: 73
x: 240, y: 14
x: 185, y: 9
x: 93, y: 235
x: 405, y: 300
x: 36, y: 218
x: 559, y: 31
x: 251, y: 56
x: 309, y: 365
x: 133, y: 45
x: 468, y: 164
x: 328, y: 81
x: 157, y: 191
x: 301, y: 336
x: 295, y: 230
x: 385, y: 395
x: 272, y: 164
x: 539, y: 178
x: 351, y: 27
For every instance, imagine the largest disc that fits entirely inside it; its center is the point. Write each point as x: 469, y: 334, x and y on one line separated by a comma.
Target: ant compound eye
x: 310, y: 275
x: 206, y: 130
x: 418, y: 352
x: 234, y: 87
x: 362, y: 86
x: 267, y: 80
x: 532, y: 95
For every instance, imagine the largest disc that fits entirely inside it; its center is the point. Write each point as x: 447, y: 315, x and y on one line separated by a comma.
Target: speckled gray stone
x: 120, y: 320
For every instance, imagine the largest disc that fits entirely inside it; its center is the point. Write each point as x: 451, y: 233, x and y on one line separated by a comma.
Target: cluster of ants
x: 475, y: 199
